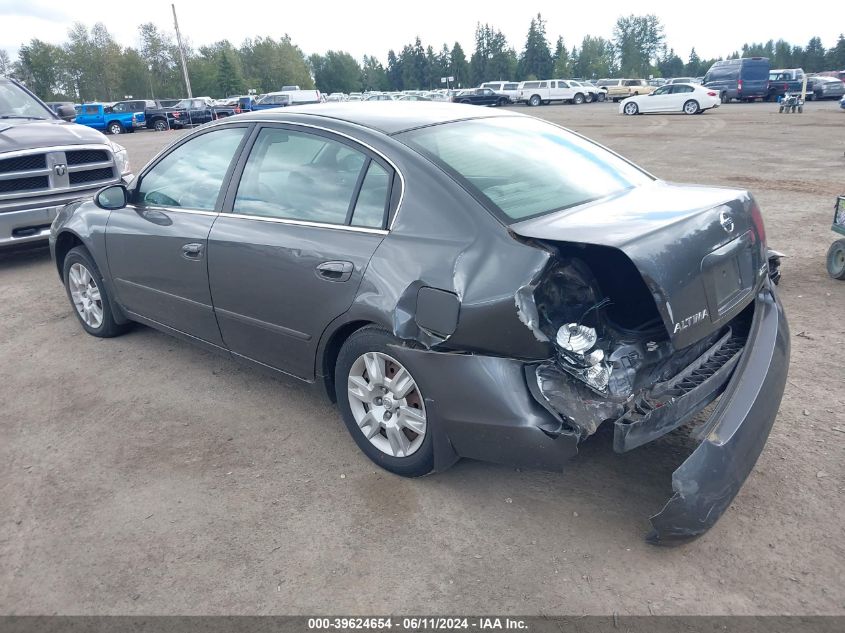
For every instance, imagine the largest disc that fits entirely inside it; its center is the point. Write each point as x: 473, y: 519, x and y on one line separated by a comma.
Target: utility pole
x: 181, y: 52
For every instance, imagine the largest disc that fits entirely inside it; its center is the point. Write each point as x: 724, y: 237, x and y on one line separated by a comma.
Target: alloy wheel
x: 85, y: 294
x: 386, y: 404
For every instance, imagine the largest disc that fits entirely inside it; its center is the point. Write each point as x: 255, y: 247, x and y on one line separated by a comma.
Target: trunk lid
x: 700, y: 250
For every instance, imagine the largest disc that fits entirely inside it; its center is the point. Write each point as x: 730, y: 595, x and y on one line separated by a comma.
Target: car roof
x: 390, y: 117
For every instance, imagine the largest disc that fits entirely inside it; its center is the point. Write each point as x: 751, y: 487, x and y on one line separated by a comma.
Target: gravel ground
x: 143, y: 475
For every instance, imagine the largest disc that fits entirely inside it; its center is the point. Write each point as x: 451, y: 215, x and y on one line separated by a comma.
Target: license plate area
x: 728, y: 275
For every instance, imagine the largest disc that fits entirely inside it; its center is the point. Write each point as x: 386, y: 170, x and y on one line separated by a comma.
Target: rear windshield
x: 755, y: 69
x: 522, y: 167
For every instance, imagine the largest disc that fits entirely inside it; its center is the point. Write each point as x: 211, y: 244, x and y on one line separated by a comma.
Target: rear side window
x: 92, y: 110
x: 531, y: 84
x: 371, y: 206
x: 679, y: 88
x: 511, y: 86
x: 300, y: 176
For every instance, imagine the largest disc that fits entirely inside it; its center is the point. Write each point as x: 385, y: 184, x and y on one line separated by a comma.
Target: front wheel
x: 836, y: 260
x: 579, y: 99
x: 382, y: 404
x: 601, y: 97
x: 691, y: 107
x: 88, y: 294
x: 631, y: 108
x: 115, y: 128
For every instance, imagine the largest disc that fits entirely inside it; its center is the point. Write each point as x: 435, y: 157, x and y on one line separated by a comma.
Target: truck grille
x: 92, y: 175
x: 23, y: 163
x: 55, y: 170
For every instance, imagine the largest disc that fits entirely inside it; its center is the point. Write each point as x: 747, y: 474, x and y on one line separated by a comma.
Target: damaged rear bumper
x: 734, y: 435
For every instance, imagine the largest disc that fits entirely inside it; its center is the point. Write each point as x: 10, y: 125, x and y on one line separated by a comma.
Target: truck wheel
x: 579, y: 99
x: 836, y: 260
x: 115, y: 128
x: 160, y: 125
x: 502, y: 102
x: 724, y: 97
x: 589, y: 98
x: 601, y: 97
x: 534, y: 100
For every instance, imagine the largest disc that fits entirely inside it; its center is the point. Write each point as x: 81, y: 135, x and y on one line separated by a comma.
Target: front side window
x: 524, y: 167
x: 192, y: 174
x: 664, y: 90
x: 298, y: 176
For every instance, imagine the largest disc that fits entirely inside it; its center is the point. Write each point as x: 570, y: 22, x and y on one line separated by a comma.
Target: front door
x: 307, y: 215
x: 157, y: 246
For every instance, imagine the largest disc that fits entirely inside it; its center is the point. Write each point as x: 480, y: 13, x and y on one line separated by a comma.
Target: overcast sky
x: 714, y: 28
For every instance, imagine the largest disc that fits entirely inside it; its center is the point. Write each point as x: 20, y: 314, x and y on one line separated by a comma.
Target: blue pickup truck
x: 107, y: 119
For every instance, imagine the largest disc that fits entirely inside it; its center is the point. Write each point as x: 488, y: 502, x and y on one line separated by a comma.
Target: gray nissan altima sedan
x: 463, y: 283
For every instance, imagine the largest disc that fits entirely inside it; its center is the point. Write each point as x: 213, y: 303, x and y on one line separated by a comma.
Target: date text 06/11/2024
x: 415, y: 623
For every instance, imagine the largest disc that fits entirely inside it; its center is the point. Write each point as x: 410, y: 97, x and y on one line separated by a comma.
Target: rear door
x: 681, y: 93
x: 157, y: 245
x: 307, y: 212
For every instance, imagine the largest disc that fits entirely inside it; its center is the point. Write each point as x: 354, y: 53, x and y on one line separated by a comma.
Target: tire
x: 780, y: 109
x: 114, y: 128
x: 465, y: 101
x: 691, y: 107
x: 723, y: 97
x: 601, y: 97
x: 502, y: 102
x: 160, y: 125
x: 578, y: 99
x: 371, y: 347
x: 88, y: 295
x: 534, y: 100
x: 836, y: 260
x: 631, y: 108
x: 589, y: 98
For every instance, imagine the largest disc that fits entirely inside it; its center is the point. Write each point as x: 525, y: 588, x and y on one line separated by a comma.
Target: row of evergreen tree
x: 91, y: 64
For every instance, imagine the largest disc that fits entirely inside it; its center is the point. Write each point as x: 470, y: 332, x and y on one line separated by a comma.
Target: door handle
x: 192, y: 251
x: 335, y: 271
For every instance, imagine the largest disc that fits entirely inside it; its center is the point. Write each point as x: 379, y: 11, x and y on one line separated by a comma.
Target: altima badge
x: 726, y: 221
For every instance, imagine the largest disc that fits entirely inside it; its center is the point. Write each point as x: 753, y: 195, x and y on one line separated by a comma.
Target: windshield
x: 17, y: 103
x: 524, y: 167
x: 184, y: 104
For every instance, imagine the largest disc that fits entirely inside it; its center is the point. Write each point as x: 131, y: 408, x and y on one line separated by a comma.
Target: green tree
x: 5, y: 63
x: 536, y: 58
x: 813, y: 60
x: 458, y: 66
x: 595, y: 59
x: 693, y: 68
x: 493, y: 58
x: 230, y: 81
x: 269, y: 64
x: 638, y: 40
x: 562, y: 63
x: 669, y: 64
x: 373, y: 75
x: 835, y: 57
x: 134, y: 77
x: 161, y: 55
x: 394, y: 71
x: 336, y: 71
x: 38, y: 65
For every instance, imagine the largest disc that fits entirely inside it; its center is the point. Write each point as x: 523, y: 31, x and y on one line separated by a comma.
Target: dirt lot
x: 142, y: 475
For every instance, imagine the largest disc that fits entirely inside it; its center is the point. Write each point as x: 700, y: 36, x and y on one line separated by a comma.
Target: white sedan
x: 686, y: 98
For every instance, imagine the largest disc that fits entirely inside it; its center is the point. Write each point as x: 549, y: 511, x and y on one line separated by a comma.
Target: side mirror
x: 112, y: 197
x: 66, y: 112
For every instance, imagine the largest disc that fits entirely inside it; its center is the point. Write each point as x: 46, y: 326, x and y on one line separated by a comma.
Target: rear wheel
x: 631, y: 108
x: 589, y: 98
x: 160, y: 125
x: 382, y: 404
x: 691, y: 107
x: 601, y: 97
x: 115, y: 128
x: 502, y: 102
x: 534, y: 100
x: 836, y: 260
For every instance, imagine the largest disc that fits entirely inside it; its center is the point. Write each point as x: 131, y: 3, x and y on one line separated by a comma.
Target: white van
x: 544, y: 92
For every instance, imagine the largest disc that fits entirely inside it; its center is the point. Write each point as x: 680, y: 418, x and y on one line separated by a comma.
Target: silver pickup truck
x: 46, y: 161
